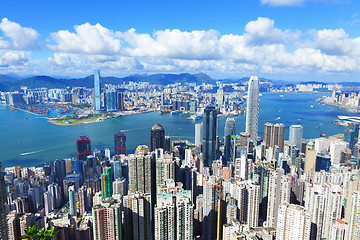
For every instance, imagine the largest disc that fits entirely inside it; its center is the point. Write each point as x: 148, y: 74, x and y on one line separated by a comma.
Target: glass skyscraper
x: 252, y: 109
x: 209, y: 135
x: 97, y: 90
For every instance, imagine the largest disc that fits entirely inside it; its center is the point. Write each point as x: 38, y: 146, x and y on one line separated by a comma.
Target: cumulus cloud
x: 87, y: 39
x: 13, y: 59
x: 261, y: 48
x: 17, y: 37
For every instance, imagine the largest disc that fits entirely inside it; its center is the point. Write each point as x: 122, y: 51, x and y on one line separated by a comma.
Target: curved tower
x: 252, y: 108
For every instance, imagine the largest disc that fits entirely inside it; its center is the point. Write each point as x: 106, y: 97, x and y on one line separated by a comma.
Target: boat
x: 281, y: 95
x: 318, y: 126
x: 322, y: 134
x: 312, y: 106
x: 175, y: 112
x: 196, y: 117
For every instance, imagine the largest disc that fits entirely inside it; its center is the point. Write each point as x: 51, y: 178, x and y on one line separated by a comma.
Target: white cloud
x: 87, y: 39
x: 13, y: 59
x: 283, y: 2
x: 19, y: 37
x: 262, y: 31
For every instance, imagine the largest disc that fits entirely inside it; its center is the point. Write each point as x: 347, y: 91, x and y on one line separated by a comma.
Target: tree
x: 33, y: 233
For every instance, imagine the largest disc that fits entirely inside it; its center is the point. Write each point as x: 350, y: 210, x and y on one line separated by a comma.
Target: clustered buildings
x: 239, y: 187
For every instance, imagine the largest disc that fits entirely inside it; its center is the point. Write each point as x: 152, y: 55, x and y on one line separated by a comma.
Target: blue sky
x: 277, y: 39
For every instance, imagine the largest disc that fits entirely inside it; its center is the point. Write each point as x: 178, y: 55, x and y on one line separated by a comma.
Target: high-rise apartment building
x: 293, y: 223
x: 252, y: 109
x: 97, y: 99
x: 141, y: 168
x: 72, y: 200
x: 120, y: 143
x: 3, y: 226
x: 107, y: 221
x: 120, y: 101
x: 354, y: 220
x: 253, y: 204
x: 157, y: 137
x: 274, y: 136
x: 83, y: 144
x: 209, y: 135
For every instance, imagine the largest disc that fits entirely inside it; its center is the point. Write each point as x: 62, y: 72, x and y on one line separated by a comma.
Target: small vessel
x: 196, y: 117
x: 318, y: 125
x: 322, y: 134
x: 281, y: 95
x: 175, y: 112
x: 312, y: 106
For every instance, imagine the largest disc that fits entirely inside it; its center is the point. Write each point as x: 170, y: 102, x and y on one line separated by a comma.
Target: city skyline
x: 277, y: 39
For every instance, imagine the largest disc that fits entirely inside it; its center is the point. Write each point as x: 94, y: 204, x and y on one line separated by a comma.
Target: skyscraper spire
x: 252, y: 109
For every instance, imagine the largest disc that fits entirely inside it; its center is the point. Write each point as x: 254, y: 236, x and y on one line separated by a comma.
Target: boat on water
x: 175, y: 112
x: 312, y: 106
x: 322, y: 134
x: 281, y: 95
x: 318, y: 126
x: 196, y: 117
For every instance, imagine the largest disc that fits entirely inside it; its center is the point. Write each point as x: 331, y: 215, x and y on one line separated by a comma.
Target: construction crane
x: 102, y: 177
x: 349, y: 127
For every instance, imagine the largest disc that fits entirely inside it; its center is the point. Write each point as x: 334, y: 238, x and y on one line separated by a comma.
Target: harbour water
x: 29, y: 141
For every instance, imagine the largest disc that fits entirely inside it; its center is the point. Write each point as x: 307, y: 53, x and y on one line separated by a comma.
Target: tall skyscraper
x: 107, y: 221
x: 268, y: 128
x: 252, y: 108
x: 157, y: 138
x: 72, y: 200
x: 111, y: 101
x: 3, y: 226
x: 97, y: 99
x: 295, y: 135
x: 354, y: 221
x: 106, y: 183
x: 198, y: 137
x: 253, y: 205
x: 140, y: 173
x: 220, y: 97
x: 274, y: 136
x: 120, y: 143
x: 229, y: 143
x: 293, y: 223
x: 209, y: 135
x: 83, y: 144
x: 120, y: 101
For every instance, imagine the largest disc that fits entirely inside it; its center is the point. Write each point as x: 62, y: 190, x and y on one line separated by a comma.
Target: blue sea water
x: 29, y: 141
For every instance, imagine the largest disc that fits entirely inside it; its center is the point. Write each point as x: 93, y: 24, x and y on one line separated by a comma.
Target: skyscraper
x: 274, y: 136
x: 252, y: 109
x: 120, y: 143
x: 97, y: 90
x: 295, y: 135
x: 229, y: 135
x: 293, y: 223
x: 3, y: 226
x: 72, y: 200
x: 354, y: 221
x: 111, y: 101
x: 106, y: 183
x: 120, y: 101
x: 157, y: 138
x: 107, y: 221
x: 209, y: 135
x: 83, y: 144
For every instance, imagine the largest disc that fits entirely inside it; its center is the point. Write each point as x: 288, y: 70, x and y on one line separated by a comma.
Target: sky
x: 293, y: 40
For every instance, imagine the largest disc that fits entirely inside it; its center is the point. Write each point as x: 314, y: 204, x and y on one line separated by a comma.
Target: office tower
x: 107, y: 221
x: 72, y: 200
x: 83, y: 144
x: 213, y: 192
x: 3, y: 226
x: 310, y: 158
x: 336, y: 147
x: 252, y: 109
x: 198, y: 137
x: 244, y: 139
x: 354, y: 220
x: 220, y: 97
x: 137, y: 217
x: 349, y: 137
x: 209, y: 135
x: 261, y: 177
x: 229, y: 133
x: 120, y: 101
x: 97, y: 100
x: 323, y: 162
x: 157, y: 138
x: 120, y: 143
x: 174, y: 216
x: 295, y: 135
x: 48, y: 200
x: 293, y: 223
x: 229, y: 150
x: 279, y: 192
x: 56, y: 196
x: 106, y: 183
x: 60, y: 169
x: 230, y: 128
x: 111, y: 101
x: 116, y: 168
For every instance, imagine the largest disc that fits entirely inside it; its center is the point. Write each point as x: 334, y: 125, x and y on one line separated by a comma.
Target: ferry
x: 175, y: 112
x: 196, y: 117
